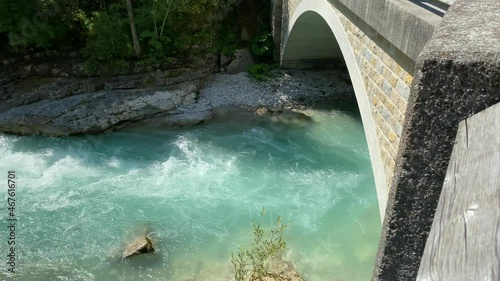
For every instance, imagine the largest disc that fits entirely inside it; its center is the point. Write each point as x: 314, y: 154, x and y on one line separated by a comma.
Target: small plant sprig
x: 253, y: 264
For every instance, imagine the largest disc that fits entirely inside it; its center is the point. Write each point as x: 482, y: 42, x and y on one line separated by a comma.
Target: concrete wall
x: 457, y: 75
x: 325, y: 33
x: 464, y: 243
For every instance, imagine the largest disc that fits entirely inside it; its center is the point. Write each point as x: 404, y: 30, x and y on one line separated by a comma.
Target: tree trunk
x: 137, y: 47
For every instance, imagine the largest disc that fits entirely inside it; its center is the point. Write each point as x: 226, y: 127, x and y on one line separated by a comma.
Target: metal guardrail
x: 438, y: 7
x: 447, y: 2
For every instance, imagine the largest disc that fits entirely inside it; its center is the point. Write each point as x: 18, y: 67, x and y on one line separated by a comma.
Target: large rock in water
x: 95, y: 112
x: 281, y: 270
x: 141, y: 245
x: 286, y: 117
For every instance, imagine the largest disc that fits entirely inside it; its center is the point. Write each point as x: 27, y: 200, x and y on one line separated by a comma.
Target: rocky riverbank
x: 184, y: 99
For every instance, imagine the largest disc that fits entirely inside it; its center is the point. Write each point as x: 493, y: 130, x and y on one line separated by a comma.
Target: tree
x: 137, y: 47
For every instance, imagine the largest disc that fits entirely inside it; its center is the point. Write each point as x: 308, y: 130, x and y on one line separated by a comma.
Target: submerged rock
x: 261, y: 111
x: 292, y: 118
x: 141, y: 245
x: 285, y: 117
x: 282, y: 270
x: 181, y: 119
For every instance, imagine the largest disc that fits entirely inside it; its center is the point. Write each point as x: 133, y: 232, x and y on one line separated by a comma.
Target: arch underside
x: 316, y: 39
x: 312, y: 44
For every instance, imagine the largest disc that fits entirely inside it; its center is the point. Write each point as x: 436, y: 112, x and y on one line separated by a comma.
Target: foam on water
x: 195, y: 190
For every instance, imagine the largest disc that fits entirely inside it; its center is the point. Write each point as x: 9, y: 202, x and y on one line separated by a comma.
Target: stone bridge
x: 379, y: 53
x: 418, y: 68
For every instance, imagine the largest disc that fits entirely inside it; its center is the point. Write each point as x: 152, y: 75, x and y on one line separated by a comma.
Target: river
x: 194, y: 191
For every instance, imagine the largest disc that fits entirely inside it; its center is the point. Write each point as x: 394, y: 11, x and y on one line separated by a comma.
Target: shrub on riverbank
x: 253, y: 263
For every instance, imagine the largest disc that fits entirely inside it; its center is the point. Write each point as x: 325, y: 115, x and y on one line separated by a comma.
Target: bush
x: 260, y: 71
x: 109, y: 43
x: 29, y: 24
x: 227, y: 42
x: 166, y: 29
x: 253, y: 263
x: 263, y: 45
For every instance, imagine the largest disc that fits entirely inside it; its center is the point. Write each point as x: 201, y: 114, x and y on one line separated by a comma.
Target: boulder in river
x: 285, y: 117
x: 140, y: 245
x: 281, y: 270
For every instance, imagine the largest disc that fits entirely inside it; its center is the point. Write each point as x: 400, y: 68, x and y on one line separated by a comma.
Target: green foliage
x: 263, y: 45
x: 253, y: 264
x: 106, y: 68
x: 227, y: 42
x: 260, y: 71
x: 156, y: 50
x: 194, y: 25
x: 30, y: 23
x: 43, y: 23
x: 109, y: 43
x: 166, y: 29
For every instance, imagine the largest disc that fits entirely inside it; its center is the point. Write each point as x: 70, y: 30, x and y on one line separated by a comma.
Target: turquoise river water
x: 195, y: 191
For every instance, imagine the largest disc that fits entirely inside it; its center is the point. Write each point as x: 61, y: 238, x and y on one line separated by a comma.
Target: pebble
x: 291, y: 89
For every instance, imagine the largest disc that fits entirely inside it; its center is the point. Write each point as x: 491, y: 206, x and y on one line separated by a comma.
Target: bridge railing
x: 457, y: 76
x: 464, y: 237
x: 438, y: 7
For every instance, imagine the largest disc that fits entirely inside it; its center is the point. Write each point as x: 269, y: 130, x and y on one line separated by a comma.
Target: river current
x: 194, y: 191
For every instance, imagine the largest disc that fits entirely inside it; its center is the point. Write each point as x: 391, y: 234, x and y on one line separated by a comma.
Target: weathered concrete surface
x: 464, y: 242
x: 458, y: 75
x: 276, y: 20
x: 95, y: 112
x: 403, y: 23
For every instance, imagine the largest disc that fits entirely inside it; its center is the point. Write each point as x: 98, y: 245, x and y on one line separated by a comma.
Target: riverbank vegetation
x: 113, y: 35
x: 253, y: 263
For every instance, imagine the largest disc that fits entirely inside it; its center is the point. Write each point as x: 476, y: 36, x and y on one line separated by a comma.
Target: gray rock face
x: 109, y: 109
x: 180, y: 119
x: 225, y: 60
x: 244, y: 34
x: 36, y: 88
x: 95, y: 112
x: 241, y: 63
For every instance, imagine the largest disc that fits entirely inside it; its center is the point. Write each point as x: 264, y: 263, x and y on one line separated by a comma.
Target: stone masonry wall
x: 387, y: 85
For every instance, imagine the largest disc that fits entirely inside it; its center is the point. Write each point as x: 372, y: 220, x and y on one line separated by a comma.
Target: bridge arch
x: 315, y: 34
